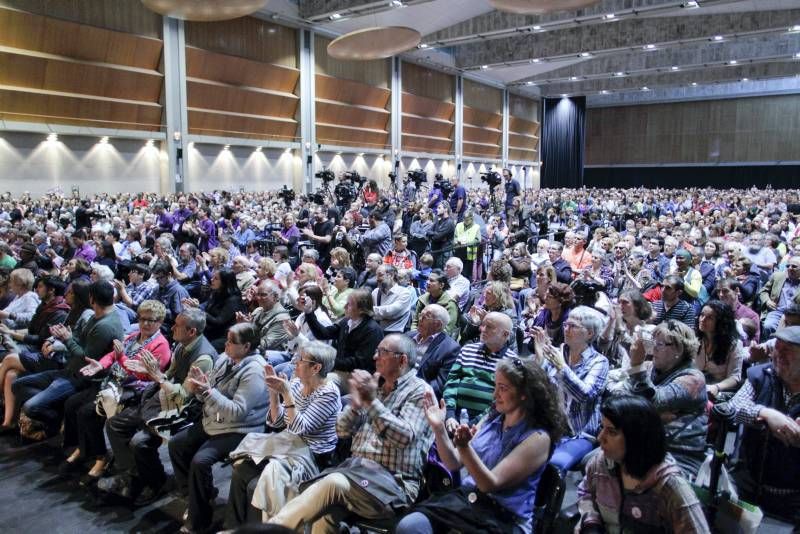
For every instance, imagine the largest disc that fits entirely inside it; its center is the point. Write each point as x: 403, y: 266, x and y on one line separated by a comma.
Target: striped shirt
x: 582, y: 388
x: 393, y: 431
x: 470, y: 383
x: 682, y: 311
x: 315, y: 416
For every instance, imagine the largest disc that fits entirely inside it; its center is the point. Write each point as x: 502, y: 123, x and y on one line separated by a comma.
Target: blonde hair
x: 341, y: 255
x: 155, y: 307
x: 269, y: 265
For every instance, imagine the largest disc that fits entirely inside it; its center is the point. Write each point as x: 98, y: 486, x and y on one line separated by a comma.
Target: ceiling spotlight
x: 674, y: 67
x: 573, y: 78
x: 691, y: 4
x: 52, y: 138
x: 226, y: 147
x: 603, y: 92
x: 717, y: 38
x: 104, y: 140
x: 694, y: 84
x: 530, y: 83
x: 484, y: 67
x: 645, y: 88
x: 564, y: 95
x: 586, y: 54
x: 537, y: 28
x: 537, y: 60
x: 797, y: 55
x: 795, y: 28
x: 745, y: 79
x: 335, y: 16
x: 649, y: 47
x: 287, y: 151
x: 259, y: 149
x: 360, y: 154
x: 423, y: 45
x: 396, y: 3
x: 619, y: 74
x: 609, y: 16
x: 732, y: 62
x: 150, y: 143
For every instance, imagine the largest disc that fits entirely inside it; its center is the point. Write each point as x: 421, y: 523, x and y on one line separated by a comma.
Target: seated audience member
x: 728, y: 291
x: 671, y: 305
x: 780, y: 292
x: 264, y: 475
x: 41, y: 395
x: 141, y: 287
x: 140, y: 473
x: 458, y: 283
x: 504, y: 458
x: 83, y: 424
x: 268, y: 320
x: 235, y: 403
x: 334, y: 298
x: 561, y: 266
x: 368, y: 277
x: 625, y: 319
x: 436, y: 293
x: 391, y: 303
x: 764, y: 352
x: 401, y: 257
x: 170, y: 292
x: 676, y: 388
x: 558, y: 302
x: 632, y: 484
x: 469, y: 383
x: 390, y: 442
x: 693, y: 286
x: 355, y: 336
x: 245, y: 277
x: 521, y: 266
x: 436, y: 351
x: 767, y: 406
x: 19, y: 312
x: 221, y: 307
x: 721, y: 354
x: 496, y: 298
x: 576, y: 255
x: 579, y: 373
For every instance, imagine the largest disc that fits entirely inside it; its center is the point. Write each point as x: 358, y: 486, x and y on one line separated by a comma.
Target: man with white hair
x: 435, y: 349
x: 459, y: 285
x: 391, y: 302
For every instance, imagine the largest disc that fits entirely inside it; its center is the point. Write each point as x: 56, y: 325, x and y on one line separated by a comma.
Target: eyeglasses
x: 570, y: 324
x: 662, y: 344
x: 380, y: 351
x: 149, y: 320
x: 297, y: 360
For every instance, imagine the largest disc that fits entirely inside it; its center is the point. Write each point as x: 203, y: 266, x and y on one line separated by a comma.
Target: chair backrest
x: 549, y: 496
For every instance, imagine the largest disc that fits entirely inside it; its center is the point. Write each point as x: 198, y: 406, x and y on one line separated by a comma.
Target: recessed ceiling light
x: 645, y: 88
x: 586, y: 54
x: 530, y: 83
x: 423, y: 45
x: 104, y: 140
x: 745, y: 79
x: 609, y: 16
x: 564, y: 95
x: 150, y: 143
x: 226, y: 147
x: 795, y: 28
x: 649, y: 47
x: 537, y: 28
x: 797, y: 55
x: 53, y: 137
x: 674, y: 67
x: 690, y: 4
x: 603, y: 92
x: 573, y: 78
x: 259, y: 148
x: 396, y: 3
x: 694, y: 84
x: 335, y: 16
x: 537, y: 60
x: 732, y: 62
x: 484, y: 67
x: 619, y: 74
x: 717, y: 38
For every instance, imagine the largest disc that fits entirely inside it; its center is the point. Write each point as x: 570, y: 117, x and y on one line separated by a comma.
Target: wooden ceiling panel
x: 220, y: 97
x: 482, y: 135
x: 21, y: 69
x: 427, y: 107
x: 476, y: 117
x: 207, y: 122
x: 246, y: 37
x: 240, y: 71
x: 34, y: 32
x: 350, y: 92
x: 361, y: 117
x: 422, y: 126
x: 52, y: 107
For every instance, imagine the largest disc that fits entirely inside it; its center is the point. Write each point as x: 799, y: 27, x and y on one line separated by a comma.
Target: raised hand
x: 463, y: 435
x: 91, y: 368
x: 135, y: 366
x: 435, y: 412
x: 291, y: 328
x: 198, y: 381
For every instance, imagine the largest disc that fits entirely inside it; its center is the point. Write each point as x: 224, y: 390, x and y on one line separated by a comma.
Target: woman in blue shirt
x: 504, y: 456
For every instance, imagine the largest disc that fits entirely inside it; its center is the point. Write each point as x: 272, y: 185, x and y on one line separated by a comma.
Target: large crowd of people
x: 337, y: 351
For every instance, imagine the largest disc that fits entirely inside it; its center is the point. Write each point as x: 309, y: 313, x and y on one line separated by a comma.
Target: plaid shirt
x: 582, y: 387
x: 393, y: 431
x: 145, y: 290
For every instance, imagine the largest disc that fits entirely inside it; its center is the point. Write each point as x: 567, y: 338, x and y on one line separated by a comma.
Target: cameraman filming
x: 513, y: 189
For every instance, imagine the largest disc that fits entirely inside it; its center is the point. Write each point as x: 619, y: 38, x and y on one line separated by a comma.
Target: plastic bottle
x: 463, y: 417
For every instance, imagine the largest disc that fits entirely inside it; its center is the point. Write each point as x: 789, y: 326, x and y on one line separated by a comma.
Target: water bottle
x: 463, y: 417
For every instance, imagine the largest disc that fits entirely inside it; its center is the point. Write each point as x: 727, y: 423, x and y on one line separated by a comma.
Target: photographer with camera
x: 409, y: 188
x: 441, y: 236
x: 457, y: 199
x: 441, y: 190
x: 321, y: 235
x: 513, y: 189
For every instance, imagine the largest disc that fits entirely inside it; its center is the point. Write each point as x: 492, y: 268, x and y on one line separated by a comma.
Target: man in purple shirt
x: 84, y: 249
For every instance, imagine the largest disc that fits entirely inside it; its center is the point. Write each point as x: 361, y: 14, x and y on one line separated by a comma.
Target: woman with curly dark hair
x: 221, y: 308
x: 721, y: 352
x: 558, y: 300
x: 504, y: 455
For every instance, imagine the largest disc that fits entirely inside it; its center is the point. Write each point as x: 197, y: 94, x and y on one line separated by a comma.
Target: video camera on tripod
x: 326, y: 176
x: 492, y: 179
x: 287, y: 195
x: 443, y: 185
x: 417, y: 176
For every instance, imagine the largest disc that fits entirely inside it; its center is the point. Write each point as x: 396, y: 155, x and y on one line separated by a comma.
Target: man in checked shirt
x: 768, y: 404
x: 391, y: 439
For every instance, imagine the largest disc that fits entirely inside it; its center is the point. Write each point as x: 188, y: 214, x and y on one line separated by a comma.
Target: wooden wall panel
x: 332, y: 134
x: 75, y: 109
x: 517, y: 154
x: 376, y: 73
x: 758, y: 129
x: 33, y: 32
x: 24, y: 70
x: 417, y: 143
x: 205, y: 122
x: 482, y: 135
x: 522, y: 141
x: 216, y: 96
x: 521, y: 126
x: 246, y: 37
x: 350, y: 92
x: 330, y: 112
x: 427, y: 127
x: 427, y: 107
x: 128, y: 16
x: 483, y: 97
x: 240, y: 71
x: 481, y: 150
x: 428, y: 83
x: 523, y: 108
x: 483, y: 119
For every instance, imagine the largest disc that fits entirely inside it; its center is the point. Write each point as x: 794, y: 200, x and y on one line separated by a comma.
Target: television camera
x: 287, y: 195
x: 492, y: 178
x: 443, y: 185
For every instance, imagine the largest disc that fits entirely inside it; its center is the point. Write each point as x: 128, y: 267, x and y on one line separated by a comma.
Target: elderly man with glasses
x: 779, y: 293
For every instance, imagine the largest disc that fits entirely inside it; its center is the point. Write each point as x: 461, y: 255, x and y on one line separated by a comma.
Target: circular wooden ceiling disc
x: 374, y: 43
x: 538, y: 7
x: 205, y: 10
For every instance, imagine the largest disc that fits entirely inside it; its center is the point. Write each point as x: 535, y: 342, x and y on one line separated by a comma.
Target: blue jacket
x: 434, y: 366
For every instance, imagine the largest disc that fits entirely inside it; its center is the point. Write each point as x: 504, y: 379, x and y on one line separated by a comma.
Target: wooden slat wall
x: 483, y: 120
x: 523, y: 128
x: 246, y: 37
x: 242, y: 79
x: 75, y: 71
x: 483, y: 97
x: 428, y: 110
x: 375, y: 73
x: 353, y: 100
x: 736, y: 130
x: 128, y: 16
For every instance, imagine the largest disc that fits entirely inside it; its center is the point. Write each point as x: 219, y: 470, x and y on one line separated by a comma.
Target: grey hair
x: 273, y: 288
x: 439, y: 313
x: 591, y: 319
x: 103, y: 272
x: 321, y: 353
x: 195, y: 318
x: 457, y: 262
x: 405, y: 345
x: 311, y: 253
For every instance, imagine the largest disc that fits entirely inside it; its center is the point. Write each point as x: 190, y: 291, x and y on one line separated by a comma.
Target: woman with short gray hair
x: 269, y: 464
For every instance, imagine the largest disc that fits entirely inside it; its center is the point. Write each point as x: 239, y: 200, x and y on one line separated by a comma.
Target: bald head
x: 496, y: 328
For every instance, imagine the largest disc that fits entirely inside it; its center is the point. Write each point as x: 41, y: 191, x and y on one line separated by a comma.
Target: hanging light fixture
x: 539, y: 7
x: 205, y: 10
x: 374, y: 43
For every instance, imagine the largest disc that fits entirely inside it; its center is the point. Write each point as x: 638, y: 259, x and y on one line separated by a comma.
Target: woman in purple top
x: 289, y: 235
x: 205, y: 230
x: 84, y: 249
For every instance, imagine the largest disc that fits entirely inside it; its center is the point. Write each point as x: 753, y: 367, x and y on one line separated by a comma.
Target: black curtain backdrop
x: 722, y: 177
x: 563, y: 141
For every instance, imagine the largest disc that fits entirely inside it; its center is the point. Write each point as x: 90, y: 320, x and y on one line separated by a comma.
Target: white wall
x: 28, y: 162
x: 212, y: 167
x: 373, y: 166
